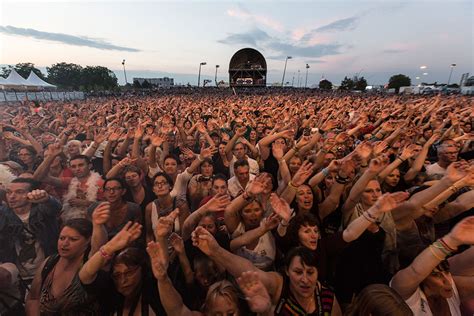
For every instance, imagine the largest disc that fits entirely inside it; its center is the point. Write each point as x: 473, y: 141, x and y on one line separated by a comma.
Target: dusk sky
x: 170, y: 38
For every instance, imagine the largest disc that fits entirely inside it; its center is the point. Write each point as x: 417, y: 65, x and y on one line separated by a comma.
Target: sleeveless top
x: 155, y: 214
x: 289, y: 306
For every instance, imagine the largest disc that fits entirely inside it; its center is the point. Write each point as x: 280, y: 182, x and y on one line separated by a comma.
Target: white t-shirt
x: 253, y: 166
x: 263, y: 255
x: 418, y: 302
x: 234, y: 186
x: 435, y: 169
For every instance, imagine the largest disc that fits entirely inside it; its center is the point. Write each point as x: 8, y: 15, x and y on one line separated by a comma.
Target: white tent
x: 15, y: 80
x: 34, y: 80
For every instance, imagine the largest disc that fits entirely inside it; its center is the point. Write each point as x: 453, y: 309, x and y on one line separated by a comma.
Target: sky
x: 336, y: 38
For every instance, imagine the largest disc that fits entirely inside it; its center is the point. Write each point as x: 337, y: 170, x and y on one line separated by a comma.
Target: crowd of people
x: 219, y: 203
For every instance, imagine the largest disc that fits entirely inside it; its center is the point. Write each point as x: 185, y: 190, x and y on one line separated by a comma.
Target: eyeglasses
x: 160, y: 184
x: 113, y: 189
x: 127, y: 274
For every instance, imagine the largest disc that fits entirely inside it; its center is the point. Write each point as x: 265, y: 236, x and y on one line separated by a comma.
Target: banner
x: 31, y: 96
x: 47, y: 96
x: 70, y: 95
x: 54, y: 96
x: 2, y: 97
x: 21, y: 96
x: 79, y: 95
x: 39, y: 96
x: 11, y: 96
x: 61, y: 95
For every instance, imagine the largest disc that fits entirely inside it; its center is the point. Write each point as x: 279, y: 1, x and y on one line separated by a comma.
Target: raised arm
x: 240, y: 132
x: 406, y: 281
x: 264, y: 143
x: 420, y: 158
x: 123, y: 239
x: 252, y: 235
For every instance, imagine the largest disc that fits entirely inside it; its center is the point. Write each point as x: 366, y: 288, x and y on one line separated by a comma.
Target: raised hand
x: 188, y: 153
x: 280, y: 207
x: 129, y: 233
x: 177, y: 243
x: 241, y: 131
x: 55, y: 149
x: 389, y: 201
x: 255, y: 292
x: 270, y: 222
x: 462, y: 233
x: 341, y: 138
x: 364, y: 150
x: 303, y: 141
x: 277, y: 150
x: 408, y: 152
x: 165, y: 224
x: 159, y: 261
x: 99, y: 137
x: 303, y: 173
x: 256, y: 186
x: 37, y: 196
x: 218, y: 203
x: 157, y: 140
x: 376, y: 165
x: 206, y: 153
x: 457, y: 170
x: 101, y: 214
x: 379, y: 147
x: 204, y: 241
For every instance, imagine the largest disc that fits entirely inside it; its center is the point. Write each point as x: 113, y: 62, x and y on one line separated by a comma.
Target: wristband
x: 104, y: 254
x: 341, y: 180
x: 284, y: 225
x: 441, y: 240
x: 200, y: 158
x: 325, y: 172
x: 402, y: 160
x: 434, y: 253
x: 367, y: 218
x: 295, y: 148
x: 247, y: 197
x: 281, y: 161
x: 291, y: 185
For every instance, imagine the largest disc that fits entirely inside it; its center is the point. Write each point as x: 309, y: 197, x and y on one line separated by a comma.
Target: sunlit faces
x: 304, y: 198
x: 132, y: 179
x: 113, y: 191
x: 207, y: 169
x: 25, y: 156
x: 17, y: 194
x: 303, y: 278
x: 126, y: 279
x: 219, y: 186
x: 251, y: 215
x: 71, y: 243
x: 294, y: 164
x: 393, y: 178
x: 438, y: 284
x: 242, y: 173
x: 239, y: 150
x: 308, y: 236
x: 73, y: 148
x: 161, y: 186
x: 209, y: 223
x: 371, y: 193
x: 80, y: 168
x: 170, y: 166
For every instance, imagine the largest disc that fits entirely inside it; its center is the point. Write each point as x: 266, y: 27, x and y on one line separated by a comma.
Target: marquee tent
x: 34, y: 80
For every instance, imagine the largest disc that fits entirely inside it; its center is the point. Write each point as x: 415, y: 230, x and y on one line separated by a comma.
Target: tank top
x: 289, y: 306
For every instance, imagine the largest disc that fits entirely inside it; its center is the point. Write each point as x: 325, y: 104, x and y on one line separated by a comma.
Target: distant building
x: 164, y: 82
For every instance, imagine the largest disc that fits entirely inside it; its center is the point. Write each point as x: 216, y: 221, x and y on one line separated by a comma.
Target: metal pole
x: 306, y: 80
x: 124, y: 72
x: 199, y: 75
x: 451, y: 72
x: 217, y: 66
x: 284, y: 70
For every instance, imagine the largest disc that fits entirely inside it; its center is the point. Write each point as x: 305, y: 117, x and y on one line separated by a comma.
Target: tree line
x: 69, y: 76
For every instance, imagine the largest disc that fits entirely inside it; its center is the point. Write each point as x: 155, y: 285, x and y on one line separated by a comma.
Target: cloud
x: 393, y: 51
x: 345, y: 24
x: 64, y: 38
x: 256, y: 19
x: 248, y: 38
x: 280, y: 48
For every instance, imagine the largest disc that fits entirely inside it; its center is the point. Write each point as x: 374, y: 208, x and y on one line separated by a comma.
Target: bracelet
x: 441, y: 240
x: 104, y: 254
x: 295, y: 148
x: 291, y: 185
x: 284, y: 225
x: 434, y: 253
x: 325, y: 172
x: 367, y: 218
x: 441, y: 247
x: 402, y: 160
x: 454, y: 188
x: 364, y: 166
x: 282, y: 160
x: 200, y: 158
